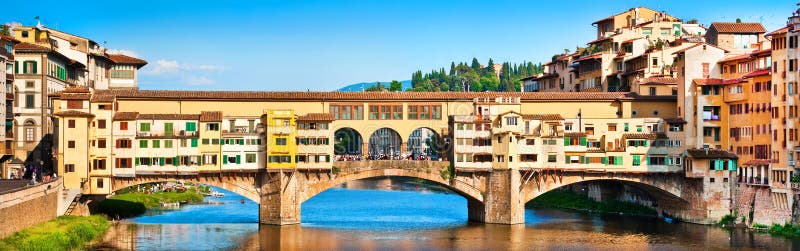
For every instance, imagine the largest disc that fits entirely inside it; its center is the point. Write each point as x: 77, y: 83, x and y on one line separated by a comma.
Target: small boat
x: 217, y: 194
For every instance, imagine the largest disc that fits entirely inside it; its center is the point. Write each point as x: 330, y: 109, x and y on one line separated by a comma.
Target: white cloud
x: 129, y: 53
x: 167, y: 67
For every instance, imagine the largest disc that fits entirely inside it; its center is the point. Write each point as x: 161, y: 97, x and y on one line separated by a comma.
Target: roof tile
x: 729, y: 27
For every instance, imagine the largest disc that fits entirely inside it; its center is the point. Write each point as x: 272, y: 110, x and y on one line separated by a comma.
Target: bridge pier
x: 503, y: 202
x: 280, y: 198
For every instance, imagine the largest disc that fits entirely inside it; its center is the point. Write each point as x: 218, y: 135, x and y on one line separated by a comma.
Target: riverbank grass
x: 786, y: 230
x: 62, y: 233
x: 133, y: 204
x: 570, y: 200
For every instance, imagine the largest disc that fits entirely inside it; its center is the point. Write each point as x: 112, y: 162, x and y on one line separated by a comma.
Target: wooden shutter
x: 34, y: 66
x: 224, y: 159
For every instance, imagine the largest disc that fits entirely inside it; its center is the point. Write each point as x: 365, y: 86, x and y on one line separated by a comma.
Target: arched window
x: 30, y: 134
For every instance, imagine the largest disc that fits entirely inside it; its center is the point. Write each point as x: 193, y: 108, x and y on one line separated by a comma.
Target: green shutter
x: 224, y: 159
x: 168, y: 129
x: 142, y: 143
x: 566, y: 141
x: 327, y: 158
x: 161, y: 161
x: 618, y: 161
x: 135, y: 161
x: 604, y: 160
x: 194, y: 142
x: 175, y: 161
x: 241, y: 141
x: 34, y: 67
x: 626, y: 127
x: 668, y: 161
x: 581, y: 159
x: 583, y: 141
x: 566, y: 159
x: 24, y: 67
x: 644, y: 143
x: 16, y: 67
x: 238, y: 159
x: 190, y: 126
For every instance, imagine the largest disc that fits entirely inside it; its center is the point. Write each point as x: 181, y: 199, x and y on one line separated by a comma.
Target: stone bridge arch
x: 283, y: 191
x: 244, y: 184
x: 662, y: 186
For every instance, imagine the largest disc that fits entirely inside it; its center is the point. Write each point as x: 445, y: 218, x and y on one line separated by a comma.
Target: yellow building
x: 281, y: 143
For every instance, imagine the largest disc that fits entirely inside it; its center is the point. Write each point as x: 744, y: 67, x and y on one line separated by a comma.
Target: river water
x: 401, y: 214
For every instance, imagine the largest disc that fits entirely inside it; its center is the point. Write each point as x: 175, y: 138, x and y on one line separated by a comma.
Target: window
x: 25, y: 34
x: 70, y: 168
x: 279, y: 159
x: 101, y: 143
x: 100, y: 183
x: 612, y: 127
x: 212, y: 127
x: 30, y: 85
x: 71, y: 144
x: 568, y: 127
x: 191, y: 126
x: 123, y: 143
x: 144, y: 127
x: 71, y: 123
x: 280, y: 141
x: 101, y: 124
x: 99, y: 164
x: 511, y: 120
x: 156, y: 143
x: 142, y: 143
x: 424, y: 111
x: 30, y: 101
x: 551, y: 158
x: 705, y: 70
x: 123, y: 125
x: 250, y: 158
x: 74, y: 104
x: 29, y: 134
x: 167, y: 143
x: 528, y: 158
x: 652, y: 91
x: 209, y: 159
x: 347, y: 111
x: 122, y: 163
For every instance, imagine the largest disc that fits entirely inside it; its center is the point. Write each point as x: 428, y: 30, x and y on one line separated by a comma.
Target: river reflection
x: 418, y: 217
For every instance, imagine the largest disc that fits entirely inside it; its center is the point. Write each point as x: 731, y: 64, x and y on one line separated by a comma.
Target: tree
x: 489, y: 83
x: 452, y: 68
x: 470, y: 78
x: 4, y: 30
x: 444, y: 87
x: 378, y: 87
x: 738, y: 20
x: 490, y: 66
x: 476, y: 66
x: 395, y: 86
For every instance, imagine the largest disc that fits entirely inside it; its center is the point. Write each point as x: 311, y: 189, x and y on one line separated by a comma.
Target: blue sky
x: 324, y: 45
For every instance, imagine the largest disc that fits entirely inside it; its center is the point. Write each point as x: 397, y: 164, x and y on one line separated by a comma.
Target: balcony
x: 244, y: 130
x: 167, y: 134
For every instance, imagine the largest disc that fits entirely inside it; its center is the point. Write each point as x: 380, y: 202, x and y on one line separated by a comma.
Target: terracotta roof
x: 758, y: 162
x: 593, y: 56
x: 74, y: 96
x: 102, y: 98
x: 9, y: 38
x: 728, y: 27
x: 345, y: 96
x: 126, y: 115
x: 30, y: 47
x: 574, y: 134
x: 316, y: 117
x: 210, y: 116
x: 778, y: 31
x: 696, y: 45
x: 732, y: 81
x: 757, y: 73
x: 76, y: 89
x: 169, y: 116
x: 650, y: 136
x: 660, y: 80
x: 600, y: 40
x: 675, y: 121
x: 630, y: 40
x: 542, y: 117
x: 73, y: 113
x: 734, y: 58
x: 565, y: 56
x: 544, y: 76
x: 708, y: 81
x: 710, y: 154
x: 123, y: 59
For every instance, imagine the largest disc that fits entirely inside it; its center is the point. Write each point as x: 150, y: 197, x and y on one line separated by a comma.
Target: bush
x: 727, y: 220
x: 62, y: 233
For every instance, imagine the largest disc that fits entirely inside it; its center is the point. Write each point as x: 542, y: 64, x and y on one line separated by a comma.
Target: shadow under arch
x: 385, y: 142
x: 657, y: 192
x: 467, y: 191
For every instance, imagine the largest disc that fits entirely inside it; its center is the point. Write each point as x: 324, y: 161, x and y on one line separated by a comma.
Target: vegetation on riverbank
x: 785, y: 230
x: 62, y: 233
x: 571, y: 200
x: 127, y: 205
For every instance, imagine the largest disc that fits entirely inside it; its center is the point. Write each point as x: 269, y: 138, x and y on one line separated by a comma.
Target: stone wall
x: 20, y: 209
x: 756, y: 203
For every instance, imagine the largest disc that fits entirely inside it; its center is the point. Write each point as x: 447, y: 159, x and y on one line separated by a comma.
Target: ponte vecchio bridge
x: 498, y: 150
